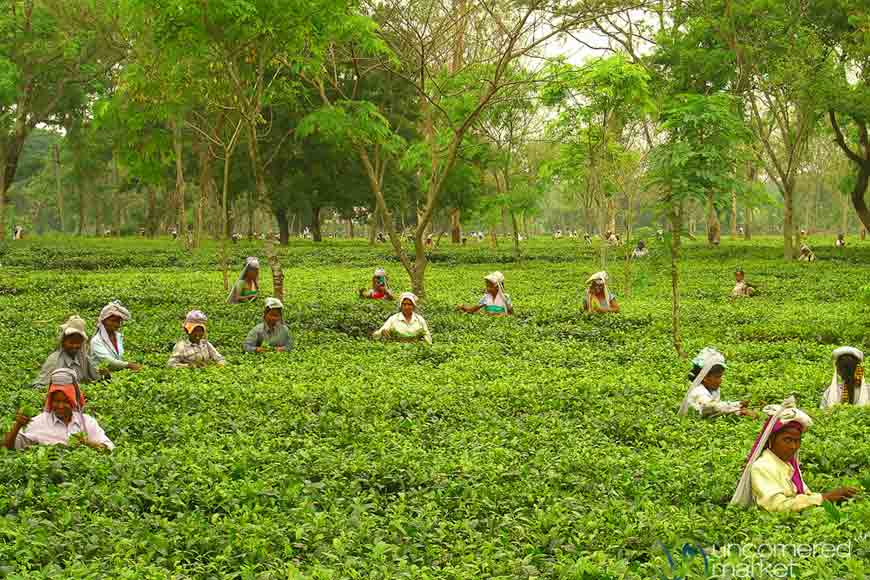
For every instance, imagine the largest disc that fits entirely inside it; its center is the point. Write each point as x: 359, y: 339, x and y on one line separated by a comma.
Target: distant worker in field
x: 741, y: 287
x: 406, y: 325
x: 62, y: 421
x: 841, y: 241
x: 72, y: 353
x: 587, y: 238
x: 772, y: 477
x: 195, y: 350
x: 705, y: 381
x: 247, y: 286
x: 495, y: 301
x: 380, y: 289
x: 847, y: 386
x: 640, y: 250
x: 271, y: 333
x: 598, y: 297
x: 107, y: 344
x: 806, y: 254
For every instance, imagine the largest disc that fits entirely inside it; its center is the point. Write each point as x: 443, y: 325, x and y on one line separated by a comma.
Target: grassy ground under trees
x: 542, y: 446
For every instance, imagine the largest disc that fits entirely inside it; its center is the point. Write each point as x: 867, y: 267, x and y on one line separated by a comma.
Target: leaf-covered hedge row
x: 542, y: 446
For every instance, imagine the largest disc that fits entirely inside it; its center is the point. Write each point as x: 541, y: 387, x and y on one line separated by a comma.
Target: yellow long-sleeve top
x: 773, y: 488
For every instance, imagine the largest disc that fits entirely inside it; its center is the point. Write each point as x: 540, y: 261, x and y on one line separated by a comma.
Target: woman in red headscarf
x: 61, y: 420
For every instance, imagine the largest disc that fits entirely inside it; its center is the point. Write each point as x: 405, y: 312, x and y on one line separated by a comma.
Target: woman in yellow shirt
x: 772, y: 477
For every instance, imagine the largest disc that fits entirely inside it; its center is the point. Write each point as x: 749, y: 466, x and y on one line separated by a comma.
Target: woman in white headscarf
x: 248, y: 285
x: 598, y: 297
x: 772, y: 477
x: 848, y: 366
x: 107, y: 345
x: 704, y: 395
x: 72, y: 353
x: 806, y: 254
x: 406, y: 325
x: 495, y: 301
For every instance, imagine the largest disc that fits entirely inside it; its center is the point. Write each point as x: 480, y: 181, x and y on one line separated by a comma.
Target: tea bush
x: 542, y: 446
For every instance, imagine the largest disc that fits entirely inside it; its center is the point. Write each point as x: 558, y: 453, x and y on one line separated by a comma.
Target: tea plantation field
x: 543, y: 446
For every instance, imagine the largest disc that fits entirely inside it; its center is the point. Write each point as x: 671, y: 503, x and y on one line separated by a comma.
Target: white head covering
x: 706, y: 359
x: 74, y: 325
x: 497, y: 278
x: 408, y: 296
x: 778, y: 416
x: 63, y: 376
x: 597, y: 277
x: 833, y: 395
x: 113, y: 308
x: 251, y: 263
x: 380, y: 272
x: 273, y: 304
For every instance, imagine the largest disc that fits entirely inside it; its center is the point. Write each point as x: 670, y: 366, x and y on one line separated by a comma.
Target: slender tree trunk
x: 455, y: 226
x: 713, y: 227
x: 206, y: 186
x: 82, y: 208
x: 277, y: 272
x: 118, y: 202
x: 844, y: 215
x: 315, y: 224
x: 283, y: 225
x: 734, y: 215
x: 151, y: 220
x: 4, y: 186
x: 57, y: 187
x: 350, y: 228
x: 611, y: 214
x: 373, y: 226
x: 179, y: 182
x: 676, y: 214
x: 251, y: 210
x: 747, y: 217
x: 516, y: 234
x: 98, y: 218
x: 788, y: 220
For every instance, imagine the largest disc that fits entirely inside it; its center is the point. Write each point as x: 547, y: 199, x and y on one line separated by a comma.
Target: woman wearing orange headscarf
x: 61, y: 419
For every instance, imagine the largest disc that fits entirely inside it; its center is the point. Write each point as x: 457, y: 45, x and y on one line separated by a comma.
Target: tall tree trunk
x: 747, y: 217
x: 82, y: 208
x: 676, y: 214
x: 151, y: 219
x: 844, y: 215
x: 57, y: 187
x: 98, y: 219
x: 516, y: 234
x: 206, y: 187
x: 611, y: 214
x: 350, y: 228
x: 788, y: 220
x: 455, y: 226
x: 179, y: 181
x: 251, y: 208
x: 315, y: 224
x: 277, y: 272
x: 283, y: 225
x: 118, y: 202
x: 713, y: 227
x: 734, y: 215
x: 373, y: 226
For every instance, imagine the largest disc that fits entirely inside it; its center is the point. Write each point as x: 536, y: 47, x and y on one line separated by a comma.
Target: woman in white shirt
x: 406, y: 325
x: 848, y: 366
x: 107, y: 345
x: 704, y: 395
x: 61, y: 419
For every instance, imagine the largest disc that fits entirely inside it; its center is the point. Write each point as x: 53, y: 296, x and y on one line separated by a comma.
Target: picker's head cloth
x: 74, y: 325
x: 704, y: 360
x: 600, y: 277
x: 779, y: 417
x: 113, y: 308
x: 497, y: 278
x: 380, y: 272
x: 66, y: 381
x: 194, y: 318
x: 833, y: 393
x: 408, y: 296
x: 274, y: 304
